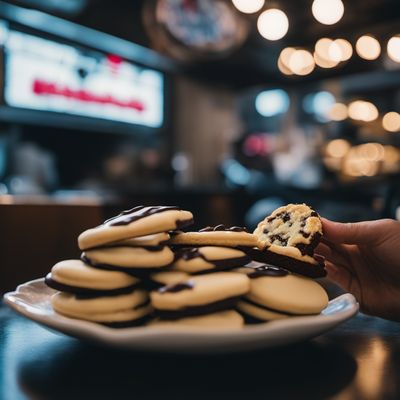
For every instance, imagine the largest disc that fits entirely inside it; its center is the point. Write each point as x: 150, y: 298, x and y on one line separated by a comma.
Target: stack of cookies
x: 140, y: 267
x: 108, y: 284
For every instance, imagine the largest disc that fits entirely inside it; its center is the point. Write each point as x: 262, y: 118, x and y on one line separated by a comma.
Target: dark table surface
x: 358, y: 360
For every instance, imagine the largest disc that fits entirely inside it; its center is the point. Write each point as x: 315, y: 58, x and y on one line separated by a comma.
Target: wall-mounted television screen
x: 46, y: 75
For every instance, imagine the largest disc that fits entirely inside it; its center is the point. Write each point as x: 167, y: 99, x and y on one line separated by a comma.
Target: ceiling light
x: 273, y: 24
x: 393, y: 48
x: 368, y: 47
x: 391, y: 122
x: 248, y: 6
x: 328, y: 12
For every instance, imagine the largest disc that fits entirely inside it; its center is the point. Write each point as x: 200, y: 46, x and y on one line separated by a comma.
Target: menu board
x: 42, y: 74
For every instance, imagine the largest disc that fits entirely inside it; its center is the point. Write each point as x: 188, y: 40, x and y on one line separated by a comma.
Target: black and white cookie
x: 288, y: 237
x: 129, y: 259
x: 139, y: 221
x: 200, y: 295
x: 74, y: 276
x: 116, y: 311
x: 195, y: 260
x: 276, y: 294
x: 215, y: 236
x: 229, y: 319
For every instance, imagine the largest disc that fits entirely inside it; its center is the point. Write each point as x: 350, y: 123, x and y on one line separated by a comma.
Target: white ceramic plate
x: 32, y: 299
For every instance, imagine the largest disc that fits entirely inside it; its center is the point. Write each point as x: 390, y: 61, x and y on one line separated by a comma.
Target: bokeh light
x: 337, y: 148
x: 368, y: 47
x: 272, y: 102
x: 338, y: 112
x: 301, y: 62
x: 391, y: 121
x: 345, y: 48
x: 319, y: 104
x: 360, y: 110
x: 393, y: 48
x: 273, y: 24
x: 327, y: 53
x: 248, y: 6
x: 328, y: 12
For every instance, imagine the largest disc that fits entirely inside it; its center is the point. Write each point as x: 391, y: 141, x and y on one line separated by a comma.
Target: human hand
x: 364, y: 259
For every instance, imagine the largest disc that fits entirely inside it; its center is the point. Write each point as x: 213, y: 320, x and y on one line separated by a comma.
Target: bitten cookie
x: 74, y: 276
x: 276, y: 293
x: 138, y: 221
x: 201, y: 294
x: 128, y: 258
x: 194, y: 260
x: 215, y: 236
x: 288, y: 237
x: 116, y: 311
x: 229, y: 319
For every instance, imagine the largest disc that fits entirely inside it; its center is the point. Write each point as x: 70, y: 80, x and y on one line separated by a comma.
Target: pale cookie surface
x: 258, y: 312
x: 208, y: 258
x: 201, y: 290
x: 293, y: 230
x: 216, y: 236
x: 139, y: 221
x: 155, y: 240
x: 220, y: 320
x: 169, y: 277
x: 78, y: 274
x: 103, y: 309
x: 130, y: 257
x: 287, y: 293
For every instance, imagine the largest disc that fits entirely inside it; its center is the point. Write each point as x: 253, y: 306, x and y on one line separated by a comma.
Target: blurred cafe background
x: 229, y: 108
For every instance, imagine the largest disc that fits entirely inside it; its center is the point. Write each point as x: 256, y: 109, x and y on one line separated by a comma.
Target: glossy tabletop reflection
x: 358, y: 360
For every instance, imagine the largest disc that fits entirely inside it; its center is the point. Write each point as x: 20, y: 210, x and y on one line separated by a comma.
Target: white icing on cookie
x: 220, y: 320
x: 78, y: 274
x: 130, y: 257
x: 204, y: 289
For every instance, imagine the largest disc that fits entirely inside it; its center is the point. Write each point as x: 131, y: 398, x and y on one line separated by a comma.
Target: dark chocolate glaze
x: 222, y: 227
x: 308, y: 249
x: 178, y: 287
x: 246, y: 300
x: 141, y: 273
x: 129, y: 324
x: 198, y: 310
x: 291, y: 264
x: 86, y: 293
x: 190, y: 253
x: 136, y: 213
x: 267, y: 270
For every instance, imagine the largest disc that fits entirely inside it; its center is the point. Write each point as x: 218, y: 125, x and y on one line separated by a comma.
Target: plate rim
x: 104, y: 333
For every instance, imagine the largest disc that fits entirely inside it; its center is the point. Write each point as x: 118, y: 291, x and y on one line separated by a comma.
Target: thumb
x: 367, y: 232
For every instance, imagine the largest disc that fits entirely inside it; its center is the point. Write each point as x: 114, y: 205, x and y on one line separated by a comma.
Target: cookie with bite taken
x: 288, y: 237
